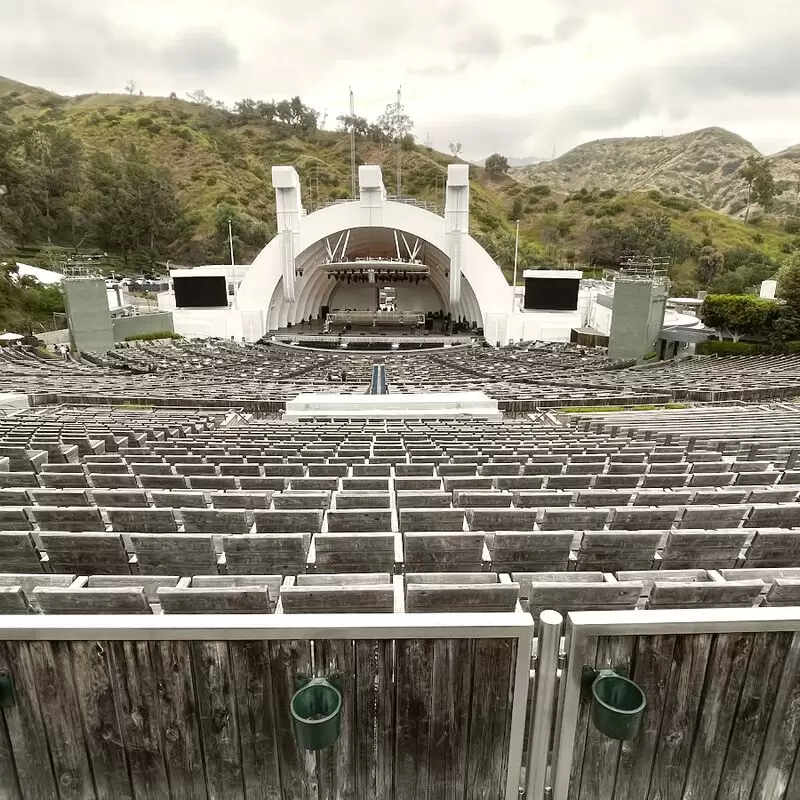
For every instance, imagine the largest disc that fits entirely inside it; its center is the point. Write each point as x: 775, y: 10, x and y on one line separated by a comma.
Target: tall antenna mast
x: 399, y: 143
x: 352, y: 144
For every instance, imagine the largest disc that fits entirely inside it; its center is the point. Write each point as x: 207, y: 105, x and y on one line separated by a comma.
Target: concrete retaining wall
x: 141, y: 324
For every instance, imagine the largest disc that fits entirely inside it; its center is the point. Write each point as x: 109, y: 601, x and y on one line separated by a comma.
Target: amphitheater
x: 183, y: 561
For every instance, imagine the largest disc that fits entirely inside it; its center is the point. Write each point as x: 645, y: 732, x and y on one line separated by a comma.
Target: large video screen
x: 551, y: 294
x: 202, y: 291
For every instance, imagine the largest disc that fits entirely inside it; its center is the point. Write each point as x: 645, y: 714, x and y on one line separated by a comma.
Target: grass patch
x: 607, y: 409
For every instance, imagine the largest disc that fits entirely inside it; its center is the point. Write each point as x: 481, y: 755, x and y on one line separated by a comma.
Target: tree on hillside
x: 200, y: 96
x: 709, y: 264
x: 249, y: 234
x: 55, y: 153
x: 130, y: 205
x: 394, y: 123
x: 131, y: 87
x: 757, y: 175
x: 647, y: 234
x: 455, y: 149
x: 283, y: 111
x: 352, y: 122
x: 788, y: 325
x: 601, y: 244
x: 739, y: 315
x: 496, y: 165
x: 301, y: 115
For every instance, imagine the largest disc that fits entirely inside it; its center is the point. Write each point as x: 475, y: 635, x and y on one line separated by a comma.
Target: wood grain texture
x: 464, y: 597
x: 684, y: 695
x: 252, y: 675
x: 337, y: 764
x: 52, y: 666
x: 453, y: 661
x: 375, y: 721
x: 752, y: 715
x: 490, y: 718
x: 586, y: 655
x: 25, y: 727
x: 219, y: 729
x: 682, y: 594
x: 601, y: 753
x: 727, y: 668
x: 172, y: 668
x: 290, y: 660
x: 414, y: 679
x: 138, y: 708
x: 783, y: 733
x: 337, y: 599
x: 9, y: 783
x: 93, y: 684
x: 652, y: 664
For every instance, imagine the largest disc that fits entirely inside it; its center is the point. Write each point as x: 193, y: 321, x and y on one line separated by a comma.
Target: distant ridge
x: 701, y: 165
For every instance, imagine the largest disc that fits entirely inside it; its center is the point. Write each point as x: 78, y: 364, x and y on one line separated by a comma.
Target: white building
x: 329, y: 259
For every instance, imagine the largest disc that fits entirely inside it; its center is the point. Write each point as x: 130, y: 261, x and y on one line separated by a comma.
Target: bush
x: 675, y: 203
x: 715, y: 348
x: 148, y: 337
x: 792, y: 225
x: 740, y: 315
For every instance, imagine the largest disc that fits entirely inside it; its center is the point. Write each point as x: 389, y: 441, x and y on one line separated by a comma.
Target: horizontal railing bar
x: 687, y: 621
x: 220, y: 627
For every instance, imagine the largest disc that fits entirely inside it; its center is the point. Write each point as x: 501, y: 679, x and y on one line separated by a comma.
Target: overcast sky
x: 522, y: 77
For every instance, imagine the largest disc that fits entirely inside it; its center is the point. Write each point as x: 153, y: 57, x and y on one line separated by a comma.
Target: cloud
x: 768, y: 65
x: 614, y: 109
x: 200, y: 52
x: 533, y: 40
x: 61, y: 43
x: 512, y: 76
x: 566, y: 28
x: 480, y: 43
x: 439, y: 70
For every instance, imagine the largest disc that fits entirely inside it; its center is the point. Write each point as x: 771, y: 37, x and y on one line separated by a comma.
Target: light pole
x: 516, y: 258
x: 233, y: 266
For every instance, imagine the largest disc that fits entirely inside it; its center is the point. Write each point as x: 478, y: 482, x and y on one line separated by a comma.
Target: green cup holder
x: 316, y: 714
x: 618, y: 703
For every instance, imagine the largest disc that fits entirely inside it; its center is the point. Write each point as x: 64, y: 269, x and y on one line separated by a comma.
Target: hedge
x: 717, y: 348
x: 147, y: 337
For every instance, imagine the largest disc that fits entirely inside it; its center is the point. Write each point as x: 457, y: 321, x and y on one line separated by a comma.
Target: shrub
x: 676, y: 203
x: 705, y: 167
x: 792, y: 225
x: 739, y: 315
x: 715, y: 348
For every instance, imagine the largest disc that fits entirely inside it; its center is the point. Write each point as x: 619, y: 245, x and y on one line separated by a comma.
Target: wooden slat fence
x: 722, y: 719
x: 423, y: 719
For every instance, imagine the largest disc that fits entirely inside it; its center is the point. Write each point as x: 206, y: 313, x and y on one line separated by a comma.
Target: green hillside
x: 149, y: 179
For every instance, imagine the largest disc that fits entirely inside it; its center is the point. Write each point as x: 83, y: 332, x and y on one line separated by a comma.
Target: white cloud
x: 515, y: 76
